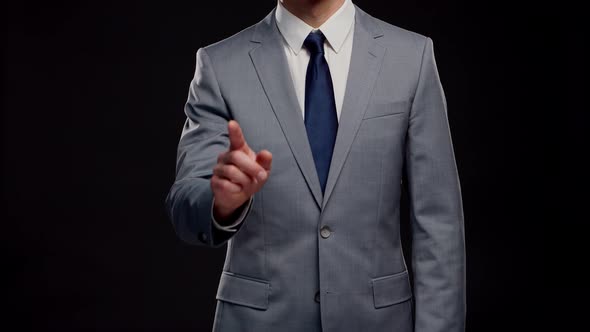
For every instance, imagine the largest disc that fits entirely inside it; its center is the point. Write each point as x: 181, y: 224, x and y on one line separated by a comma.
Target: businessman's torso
x: 297, y: 240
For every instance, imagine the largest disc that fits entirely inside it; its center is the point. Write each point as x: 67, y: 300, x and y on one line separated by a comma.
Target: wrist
x: 226, y: 215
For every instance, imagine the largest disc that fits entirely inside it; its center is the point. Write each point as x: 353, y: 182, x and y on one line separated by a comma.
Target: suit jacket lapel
x: 272, y: 68
x: 365, y: 63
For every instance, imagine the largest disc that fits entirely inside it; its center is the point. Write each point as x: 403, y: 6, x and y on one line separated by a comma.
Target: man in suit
x: 297, y: 132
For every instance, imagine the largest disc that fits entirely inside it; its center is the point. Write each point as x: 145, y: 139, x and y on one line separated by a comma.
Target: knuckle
x: 232, y: 170
x: 224, y: 185
x: 215, y: 182
x: 239, y: 159
x: 216, y: 169
x: 232, y: 157
x: 227, y: 171
x: 221, y: 157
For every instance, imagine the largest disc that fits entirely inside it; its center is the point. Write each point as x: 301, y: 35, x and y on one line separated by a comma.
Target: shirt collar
x: 336, y: 28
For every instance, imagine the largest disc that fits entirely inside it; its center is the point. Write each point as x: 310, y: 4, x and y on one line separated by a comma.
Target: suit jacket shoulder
x: 400, y: 41
x: 231, y: 47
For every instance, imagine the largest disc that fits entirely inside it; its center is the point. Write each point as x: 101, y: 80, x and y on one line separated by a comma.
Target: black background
x: 92, y: 109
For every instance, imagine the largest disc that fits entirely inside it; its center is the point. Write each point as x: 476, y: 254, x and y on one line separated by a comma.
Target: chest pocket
x: 377, y: 109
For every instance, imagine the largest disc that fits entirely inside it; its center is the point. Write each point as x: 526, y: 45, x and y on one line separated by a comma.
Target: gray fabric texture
x: 394, y: 113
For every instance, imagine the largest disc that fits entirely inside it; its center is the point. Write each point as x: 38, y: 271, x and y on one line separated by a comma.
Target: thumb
x: 264, y: 159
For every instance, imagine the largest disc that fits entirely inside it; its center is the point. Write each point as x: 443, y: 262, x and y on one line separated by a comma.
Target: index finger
x: 236, y: 137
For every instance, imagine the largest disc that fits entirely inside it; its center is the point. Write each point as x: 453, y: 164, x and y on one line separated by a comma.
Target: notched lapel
x: 365, y: 64
x: 272, y: 68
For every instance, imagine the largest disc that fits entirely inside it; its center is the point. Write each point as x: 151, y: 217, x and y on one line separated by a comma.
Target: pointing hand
x: 239, y: 173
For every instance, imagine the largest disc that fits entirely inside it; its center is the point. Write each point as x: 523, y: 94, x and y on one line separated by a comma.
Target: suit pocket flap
x: 243, y: 290
x: 391, y: 289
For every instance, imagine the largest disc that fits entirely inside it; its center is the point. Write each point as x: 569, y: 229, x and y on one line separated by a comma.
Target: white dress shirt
x: 338, y: 30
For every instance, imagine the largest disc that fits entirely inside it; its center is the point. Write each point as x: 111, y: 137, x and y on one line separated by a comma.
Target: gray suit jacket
x: 307, y: 261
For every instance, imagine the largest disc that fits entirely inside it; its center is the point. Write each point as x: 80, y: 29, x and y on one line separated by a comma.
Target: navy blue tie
x: 321, y: 121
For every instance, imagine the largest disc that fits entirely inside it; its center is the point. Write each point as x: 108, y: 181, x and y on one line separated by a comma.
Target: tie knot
x: 315, y: 42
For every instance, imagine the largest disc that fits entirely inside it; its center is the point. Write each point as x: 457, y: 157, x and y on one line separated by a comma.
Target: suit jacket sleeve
x: 204, y: 136
x: 232, y: 227
x: 436, y: 212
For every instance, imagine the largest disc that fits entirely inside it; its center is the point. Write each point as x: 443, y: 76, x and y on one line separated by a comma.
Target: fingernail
x: 261, y: 175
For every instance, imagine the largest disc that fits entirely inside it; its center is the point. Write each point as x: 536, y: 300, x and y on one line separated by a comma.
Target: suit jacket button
x: 325, y: 232
x: 317, y: 297
x: 203, y: 237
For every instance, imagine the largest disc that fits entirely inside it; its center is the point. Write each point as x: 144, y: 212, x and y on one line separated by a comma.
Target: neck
x: 312, y: 12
